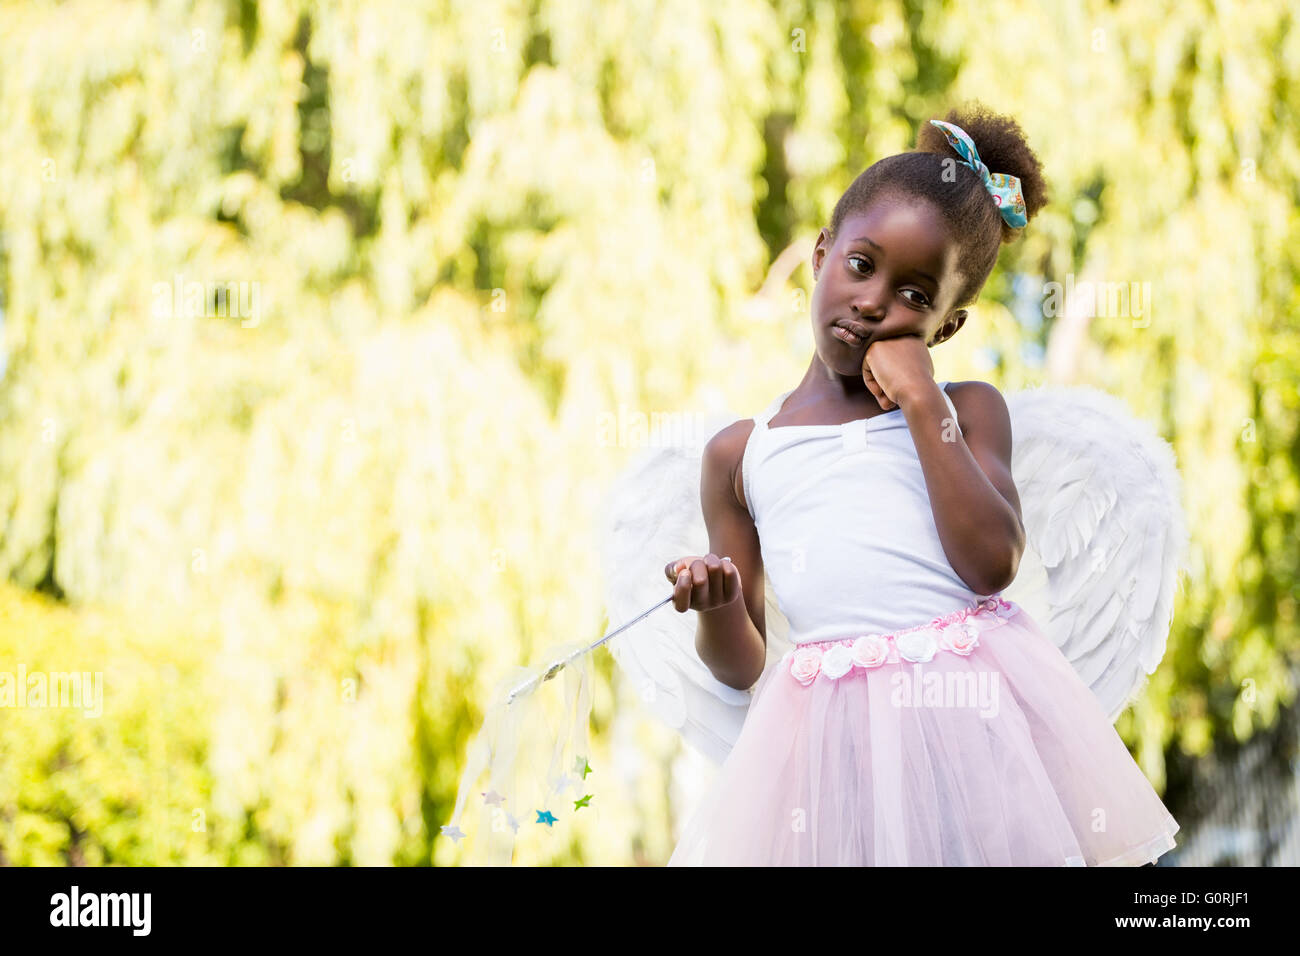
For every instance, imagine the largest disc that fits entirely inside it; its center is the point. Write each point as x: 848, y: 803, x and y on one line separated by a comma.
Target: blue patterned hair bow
x: 1004, y: 188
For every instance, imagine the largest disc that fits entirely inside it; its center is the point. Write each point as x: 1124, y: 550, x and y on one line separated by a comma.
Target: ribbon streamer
x: 514, y: 714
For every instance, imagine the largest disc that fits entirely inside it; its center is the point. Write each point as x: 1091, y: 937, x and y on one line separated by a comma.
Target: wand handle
x: 619, y: 630
x: 558, y: 665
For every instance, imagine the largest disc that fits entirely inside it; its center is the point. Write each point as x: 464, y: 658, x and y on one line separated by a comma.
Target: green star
x: 581, y: 766
x: 579, y: 804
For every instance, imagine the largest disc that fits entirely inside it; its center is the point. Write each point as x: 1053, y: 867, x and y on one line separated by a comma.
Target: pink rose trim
x: 805, y: 664
x: 870, y: 650
x: 958, y: 632
x: 962, y: 639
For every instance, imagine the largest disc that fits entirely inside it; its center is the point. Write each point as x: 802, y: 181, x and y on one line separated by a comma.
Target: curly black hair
x: 968, y: 210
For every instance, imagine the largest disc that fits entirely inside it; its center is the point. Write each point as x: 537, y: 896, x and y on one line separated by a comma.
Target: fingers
x: 874, y: 388
x: 700, y: 571
x: 703, y: 582
x: 730, y: 580
x: 679, y: 573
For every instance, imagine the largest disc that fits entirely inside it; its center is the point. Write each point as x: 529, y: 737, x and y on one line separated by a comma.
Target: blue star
x: 545, y: 817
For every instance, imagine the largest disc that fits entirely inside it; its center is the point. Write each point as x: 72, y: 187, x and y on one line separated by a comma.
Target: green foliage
x: 320, y: 524
x: 121, y: 786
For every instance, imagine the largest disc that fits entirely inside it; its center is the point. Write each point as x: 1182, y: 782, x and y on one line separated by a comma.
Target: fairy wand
x: 532, y: 682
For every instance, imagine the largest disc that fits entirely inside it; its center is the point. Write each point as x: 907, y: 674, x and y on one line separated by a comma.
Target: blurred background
x: 315, y: 316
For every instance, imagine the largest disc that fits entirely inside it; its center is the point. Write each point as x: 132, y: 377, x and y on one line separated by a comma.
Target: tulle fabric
x: 865, y: 770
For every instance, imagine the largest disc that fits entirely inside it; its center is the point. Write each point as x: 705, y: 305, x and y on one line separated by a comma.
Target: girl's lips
x: 847, y: 337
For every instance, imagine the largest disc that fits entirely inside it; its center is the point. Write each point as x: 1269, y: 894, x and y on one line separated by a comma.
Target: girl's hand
x: 703, y: 583
x: 893, y: 367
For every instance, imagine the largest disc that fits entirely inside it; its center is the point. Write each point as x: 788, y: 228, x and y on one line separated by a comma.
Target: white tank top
x: 845, y: 526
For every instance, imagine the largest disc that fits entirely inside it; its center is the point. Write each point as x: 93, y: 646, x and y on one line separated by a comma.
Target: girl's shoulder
x: 974, y: 387
x: 724, y: 454
x: 977, y: 400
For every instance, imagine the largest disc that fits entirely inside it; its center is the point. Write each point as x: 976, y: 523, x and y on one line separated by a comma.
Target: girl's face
x: 890, y: 272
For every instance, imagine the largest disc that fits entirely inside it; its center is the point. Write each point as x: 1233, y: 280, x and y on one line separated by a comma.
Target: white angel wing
x: 650, y: 516
x: 1106, y: 535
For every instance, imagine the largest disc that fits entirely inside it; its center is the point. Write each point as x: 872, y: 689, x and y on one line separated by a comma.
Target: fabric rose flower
x: 918, y: 646
x: 805, y: 664
x: 871, y: 650
x: 837, y: 661
x: 962, y: 638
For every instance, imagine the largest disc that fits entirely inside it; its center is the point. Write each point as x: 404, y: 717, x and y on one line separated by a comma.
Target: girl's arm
x: 731, y: 639
x: 968, y: 476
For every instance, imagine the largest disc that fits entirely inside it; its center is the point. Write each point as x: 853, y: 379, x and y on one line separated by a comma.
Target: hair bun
x: 1002, y: 147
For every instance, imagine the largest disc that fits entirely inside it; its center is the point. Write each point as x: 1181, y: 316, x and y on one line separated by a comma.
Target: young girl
x: 921, y: 719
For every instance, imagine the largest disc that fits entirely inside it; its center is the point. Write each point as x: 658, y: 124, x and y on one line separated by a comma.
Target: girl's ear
x: 820, y: 249
x: 949, y: 328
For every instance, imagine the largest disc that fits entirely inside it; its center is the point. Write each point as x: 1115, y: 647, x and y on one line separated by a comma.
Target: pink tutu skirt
x: 968, y: 741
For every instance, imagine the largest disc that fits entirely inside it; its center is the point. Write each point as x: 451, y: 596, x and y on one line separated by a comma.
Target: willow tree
x: 313, y: 312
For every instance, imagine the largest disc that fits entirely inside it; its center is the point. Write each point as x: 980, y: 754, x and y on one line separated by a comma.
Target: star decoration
x: 585, y: 801
x: 512, y: 822
x: 564, y: 783
x: 545, y: 817
x: 582, y: 767
x: 492, y: 798
x: 454, y: 832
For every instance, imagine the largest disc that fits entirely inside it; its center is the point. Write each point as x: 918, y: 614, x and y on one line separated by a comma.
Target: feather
x: 1101, y: 499
x: 652, y: 515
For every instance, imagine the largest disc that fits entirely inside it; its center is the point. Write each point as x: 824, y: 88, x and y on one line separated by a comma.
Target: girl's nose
x: 869, y: 300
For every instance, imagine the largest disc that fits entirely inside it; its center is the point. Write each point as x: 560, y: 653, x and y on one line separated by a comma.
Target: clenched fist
x: 894, y: 366
x: 703, y: 583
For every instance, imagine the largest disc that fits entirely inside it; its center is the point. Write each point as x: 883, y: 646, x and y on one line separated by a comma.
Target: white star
x: 564, y: 783
x: 514, y: 824
x: 492, y: 798
x: 454, y: 832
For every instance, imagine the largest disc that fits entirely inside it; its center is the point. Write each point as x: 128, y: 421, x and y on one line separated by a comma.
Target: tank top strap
x: 765, y: 416
x: 760, y: 427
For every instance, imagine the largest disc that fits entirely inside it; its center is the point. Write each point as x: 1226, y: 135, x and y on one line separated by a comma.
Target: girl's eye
x: 923, y: 300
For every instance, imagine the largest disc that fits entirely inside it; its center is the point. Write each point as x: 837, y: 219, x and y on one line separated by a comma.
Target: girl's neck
x: 824, y: 398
